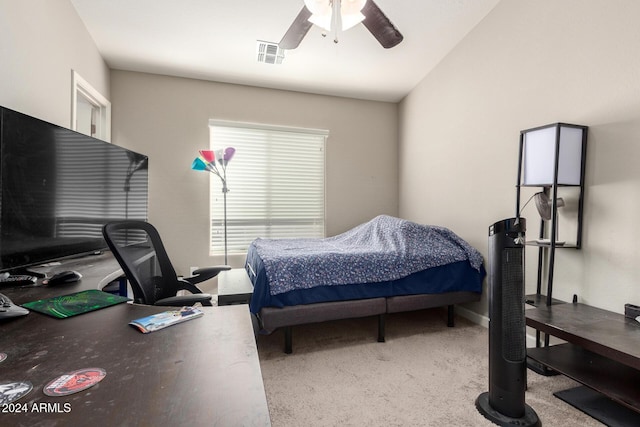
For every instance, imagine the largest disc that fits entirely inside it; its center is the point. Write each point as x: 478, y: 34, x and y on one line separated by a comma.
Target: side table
x: 234, y: 287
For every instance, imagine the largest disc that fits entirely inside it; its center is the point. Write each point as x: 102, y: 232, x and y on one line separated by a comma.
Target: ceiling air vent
x: 269, y: 53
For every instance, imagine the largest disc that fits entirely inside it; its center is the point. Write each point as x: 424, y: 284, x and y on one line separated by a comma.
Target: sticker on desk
x: 3, y: 357
x: 10, y: 391
x: 74, y: 382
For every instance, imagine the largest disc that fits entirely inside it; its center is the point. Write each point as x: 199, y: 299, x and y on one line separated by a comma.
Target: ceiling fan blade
x: 380, y: 26
x: 298, y: 29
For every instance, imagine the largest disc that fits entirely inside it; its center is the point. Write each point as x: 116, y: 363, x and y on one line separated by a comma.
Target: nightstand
x: 234, y: 287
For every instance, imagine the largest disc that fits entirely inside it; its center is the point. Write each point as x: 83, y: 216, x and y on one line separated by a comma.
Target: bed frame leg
x: 288, y: 347
x: 450, y: 316
x: 381, y: 327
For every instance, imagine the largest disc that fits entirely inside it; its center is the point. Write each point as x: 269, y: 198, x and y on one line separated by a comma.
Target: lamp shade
x: 199, y: 164
x: 208, y: 155
x: 544, y: 146
x: 228, y: 154
x: 350, y: 11
x: 321, y: 13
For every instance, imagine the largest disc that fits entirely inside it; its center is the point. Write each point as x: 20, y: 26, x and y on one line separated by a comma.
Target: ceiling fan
x: 328, y: 14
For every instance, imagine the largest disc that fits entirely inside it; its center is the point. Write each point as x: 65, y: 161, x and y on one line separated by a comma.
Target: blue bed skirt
x: 457, y: 276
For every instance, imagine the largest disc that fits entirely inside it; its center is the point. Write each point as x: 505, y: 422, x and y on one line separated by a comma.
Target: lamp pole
x: 207, y: 162
x: 225, y: 190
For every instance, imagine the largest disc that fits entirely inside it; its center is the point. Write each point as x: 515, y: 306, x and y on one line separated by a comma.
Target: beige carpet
x: 426, y: 374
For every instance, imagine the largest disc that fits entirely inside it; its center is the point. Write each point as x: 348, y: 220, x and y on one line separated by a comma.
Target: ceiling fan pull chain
x: 336, y: 19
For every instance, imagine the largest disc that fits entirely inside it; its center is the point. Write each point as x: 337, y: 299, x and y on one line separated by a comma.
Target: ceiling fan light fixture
x: 321, y: 13
x: 351, y: 13
x: 339, y: 15
x: 350, y: 21
x: 322, y: 21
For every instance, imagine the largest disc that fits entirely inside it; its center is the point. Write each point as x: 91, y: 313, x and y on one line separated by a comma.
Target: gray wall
x: 167, y: 118
x: 41, y: 41
x: 530, y: 63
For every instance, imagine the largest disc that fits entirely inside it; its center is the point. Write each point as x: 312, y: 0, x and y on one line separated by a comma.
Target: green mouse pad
x: 64, y: 306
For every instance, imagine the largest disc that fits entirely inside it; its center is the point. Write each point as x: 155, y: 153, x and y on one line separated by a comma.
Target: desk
x: 202, y: 372
x: 97, y: 272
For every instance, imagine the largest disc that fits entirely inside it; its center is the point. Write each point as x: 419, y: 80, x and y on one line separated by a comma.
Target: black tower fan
x: 504, y: 403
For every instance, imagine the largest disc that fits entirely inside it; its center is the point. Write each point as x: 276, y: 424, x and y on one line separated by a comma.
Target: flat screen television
x: 58, y: 188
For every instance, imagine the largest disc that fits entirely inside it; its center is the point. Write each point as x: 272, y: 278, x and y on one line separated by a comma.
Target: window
x: 275, y: 182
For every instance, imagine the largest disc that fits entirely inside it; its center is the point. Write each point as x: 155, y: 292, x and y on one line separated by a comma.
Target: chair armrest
x: 182, y: 300
x: 206, y: 273
x: 184, y: 284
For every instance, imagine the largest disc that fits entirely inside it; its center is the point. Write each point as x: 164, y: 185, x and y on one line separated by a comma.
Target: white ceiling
x: 216, y: 40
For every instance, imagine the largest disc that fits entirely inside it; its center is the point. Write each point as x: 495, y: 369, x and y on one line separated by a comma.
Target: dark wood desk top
x: 97, y: 271
x: 202, y: 372
x: 603, y: 332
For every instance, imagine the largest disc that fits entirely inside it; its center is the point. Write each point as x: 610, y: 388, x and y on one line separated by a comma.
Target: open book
x: 166, y: 318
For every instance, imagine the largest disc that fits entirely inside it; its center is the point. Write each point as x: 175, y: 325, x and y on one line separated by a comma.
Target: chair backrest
x: 139, y: 250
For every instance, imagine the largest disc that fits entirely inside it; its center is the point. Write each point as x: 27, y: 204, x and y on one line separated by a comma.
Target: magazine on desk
x: 165, y: 319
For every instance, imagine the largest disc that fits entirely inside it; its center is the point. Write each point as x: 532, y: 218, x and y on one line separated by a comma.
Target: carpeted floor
x: 425, y: 374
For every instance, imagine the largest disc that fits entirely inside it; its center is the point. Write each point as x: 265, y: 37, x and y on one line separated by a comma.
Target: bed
x: 385, y: 265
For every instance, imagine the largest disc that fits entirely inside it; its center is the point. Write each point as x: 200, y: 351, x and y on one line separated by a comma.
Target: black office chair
x: 139, y: 250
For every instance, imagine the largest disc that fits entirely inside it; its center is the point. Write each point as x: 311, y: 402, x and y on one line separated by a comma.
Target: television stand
x: 602, y: 349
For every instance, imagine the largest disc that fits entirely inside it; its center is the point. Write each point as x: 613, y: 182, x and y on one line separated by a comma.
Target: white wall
x: 531, y: 63
x: 41, y: 41
x: 167, y: 119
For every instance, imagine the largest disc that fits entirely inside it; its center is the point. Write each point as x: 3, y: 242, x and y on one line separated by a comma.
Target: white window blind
x: 276, y: 184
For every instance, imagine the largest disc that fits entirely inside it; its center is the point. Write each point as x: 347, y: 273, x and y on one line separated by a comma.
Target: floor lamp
x: 206, y: 161
x: 136, y: 162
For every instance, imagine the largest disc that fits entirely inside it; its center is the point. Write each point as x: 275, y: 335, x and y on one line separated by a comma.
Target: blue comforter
x: 383, y: 249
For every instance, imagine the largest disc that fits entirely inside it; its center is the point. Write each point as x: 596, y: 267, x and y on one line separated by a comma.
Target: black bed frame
x: 272, y: 318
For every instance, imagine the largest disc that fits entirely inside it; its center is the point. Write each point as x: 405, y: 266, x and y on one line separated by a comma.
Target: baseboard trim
x: 472, y: 316
x: 484, y: 321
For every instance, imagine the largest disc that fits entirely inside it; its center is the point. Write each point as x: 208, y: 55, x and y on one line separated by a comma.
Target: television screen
x: 59, y: 187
